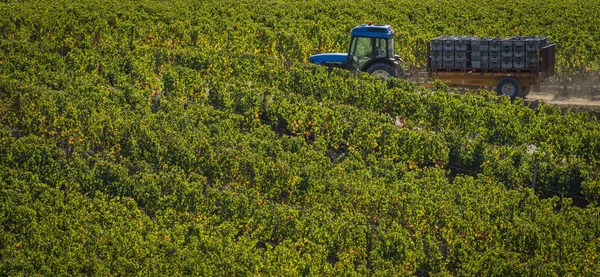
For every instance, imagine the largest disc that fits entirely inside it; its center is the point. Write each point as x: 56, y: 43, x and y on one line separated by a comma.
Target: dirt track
x: 572, y: 103
x: 550, y: 99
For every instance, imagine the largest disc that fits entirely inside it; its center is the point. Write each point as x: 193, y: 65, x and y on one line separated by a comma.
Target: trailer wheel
x: 525, y: 91
x: 383, y: 71
x: 509, y: 87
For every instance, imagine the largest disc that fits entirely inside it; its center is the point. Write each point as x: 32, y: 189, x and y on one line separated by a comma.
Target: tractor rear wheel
x: 400, y: 72
x: 383, y: 71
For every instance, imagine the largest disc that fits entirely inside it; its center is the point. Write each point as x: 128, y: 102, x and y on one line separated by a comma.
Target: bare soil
x: 550, y: 98
x: 566, y: 103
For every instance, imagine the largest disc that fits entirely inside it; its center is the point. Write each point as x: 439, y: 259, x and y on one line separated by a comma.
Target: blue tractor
x: 371, y: 50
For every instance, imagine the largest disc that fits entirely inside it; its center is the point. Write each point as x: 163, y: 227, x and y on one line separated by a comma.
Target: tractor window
x: 381, y: 48
x: 361, y: 51
x: 363, y: 47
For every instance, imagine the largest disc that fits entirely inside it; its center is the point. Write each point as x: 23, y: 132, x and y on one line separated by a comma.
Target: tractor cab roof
x: 375, y: 31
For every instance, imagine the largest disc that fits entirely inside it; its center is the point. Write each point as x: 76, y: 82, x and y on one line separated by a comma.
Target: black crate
x: 531, y: 65
x: 519, y: 48
x: 460, y: 64
x: 437, y: 44
x: 518, y: 59
x: 481, y: 44
x: 480, y: 56
x: 518, y: 42
x: 460, y: 56
x: 479, y: 64
x: 507, y: 45
x: 495, y: 45
x: 443, y: 43
x: 494, y: 56
x: 530, y: 54
x: 449, y: 44
x: 437, y: 56
x: 437, y: 53
x: 518, y: 53
x: 532, y: 46
x: 494, y: 64
x: 448, y: 56
x: 507, y: 64
x: 448, y: 64
x: 463, y: 43
x: 507, y: 53
x: 436, y: 63
x: 518, y: 65
x: 518, y: 45
x: 460, y: 47
x: 534, y: 43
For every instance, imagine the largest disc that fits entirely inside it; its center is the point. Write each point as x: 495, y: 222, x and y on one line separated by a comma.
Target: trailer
x: 510, y: 81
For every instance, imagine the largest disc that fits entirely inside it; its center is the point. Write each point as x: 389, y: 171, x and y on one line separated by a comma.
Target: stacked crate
x: 512, y: 53
x: 442, y: 52
x: 437, y: 52
x: 450, y: 52
x: 532, y: 45
x: 461, y: 47
x: 486, y: 53
x: 518, y: 49
x: 480, y: 53
x: 506, y: 54
x: 495, y: 53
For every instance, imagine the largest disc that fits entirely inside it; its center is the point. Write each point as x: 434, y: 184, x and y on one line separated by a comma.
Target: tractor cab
x: 371, y: 50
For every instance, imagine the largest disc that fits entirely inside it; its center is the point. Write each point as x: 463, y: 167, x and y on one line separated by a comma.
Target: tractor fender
x: 379, y: 60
